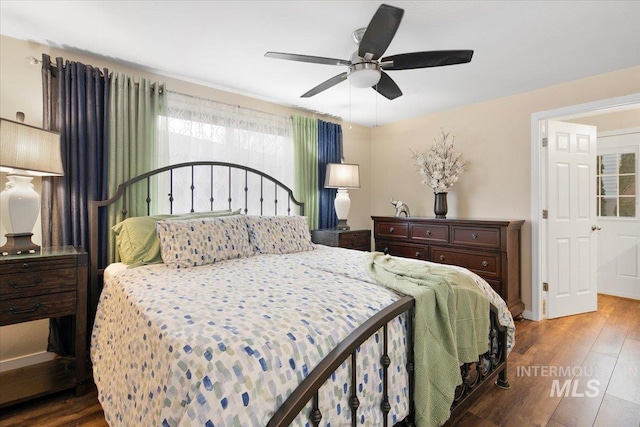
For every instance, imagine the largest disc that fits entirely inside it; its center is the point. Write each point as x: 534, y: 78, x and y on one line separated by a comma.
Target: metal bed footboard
x: 476, y: 376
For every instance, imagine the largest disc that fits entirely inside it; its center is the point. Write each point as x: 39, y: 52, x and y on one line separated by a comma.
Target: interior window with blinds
x: 203, y: 130
x: 617, y: 184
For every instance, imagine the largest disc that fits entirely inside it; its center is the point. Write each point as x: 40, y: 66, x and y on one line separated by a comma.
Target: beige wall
x: 626, y: 119
x: 495, y: 137
x: 21, y: 90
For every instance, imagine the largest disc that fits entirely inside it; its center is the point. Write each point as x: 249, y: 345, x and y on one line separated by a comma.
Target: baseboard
x: 621, y: 295
x: 31, y: 359
x: 528, y: 314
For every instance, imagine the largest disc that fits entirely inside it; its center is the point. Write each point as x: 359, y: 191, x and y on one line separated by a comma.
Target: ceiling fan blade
x: 387, y: 87
x: 307, y: 58
x: 380, y: 31
x: 326, y: 85
x: 434, y: 58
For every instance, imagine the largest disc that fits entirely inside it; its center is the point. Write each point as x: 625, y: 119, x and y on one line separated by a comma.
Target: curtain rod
x: 228, y: 105
x: 32, y: 60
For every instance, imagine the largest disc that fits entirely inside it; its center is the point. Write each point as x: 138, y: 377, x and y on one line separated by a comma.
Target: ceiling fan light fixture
x: 364, y: 75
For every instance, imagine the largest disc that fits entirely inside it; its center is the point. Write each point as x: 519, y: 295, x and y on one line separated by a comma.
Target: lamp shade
x: 28, y: 150
x: 342, y: 175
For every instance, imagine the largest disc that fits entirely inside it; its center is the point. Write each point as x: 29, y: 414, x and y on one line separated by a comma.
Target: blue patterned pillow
x: 189, y: 243
x: 279, y: 234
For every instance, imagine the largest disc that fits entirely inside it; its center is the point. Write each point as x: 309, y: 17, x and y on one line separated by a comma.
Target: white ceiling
x: 519, y: 46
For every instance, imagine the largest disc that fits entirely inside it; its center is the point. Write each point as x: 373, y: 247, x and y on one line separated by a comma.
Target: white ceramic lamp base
x: 342, y: 205
x: 19, y: 208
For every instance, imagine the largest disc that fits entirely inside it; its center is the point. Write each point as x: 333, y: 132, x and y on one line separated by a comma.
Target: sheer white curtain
x: 201, y: 129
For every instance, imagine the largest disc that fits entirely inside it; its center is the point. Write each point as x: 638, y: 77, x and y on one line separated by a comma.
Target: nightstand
x: 349, y: 239
x: 49, y: 283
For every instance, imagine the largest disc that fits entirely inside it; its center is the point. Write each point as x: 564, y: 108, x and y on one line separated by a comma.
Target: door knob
x: 595, y: 227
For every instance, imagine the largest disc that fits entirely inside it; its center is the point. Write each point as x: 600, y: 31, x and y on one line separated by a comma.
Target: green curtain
x: 135, y: 110
x: 305, y: 152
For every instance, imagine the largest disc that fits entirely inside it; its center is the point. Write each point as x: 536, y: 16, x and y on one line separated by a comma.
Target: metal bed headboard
x: 232, y: 173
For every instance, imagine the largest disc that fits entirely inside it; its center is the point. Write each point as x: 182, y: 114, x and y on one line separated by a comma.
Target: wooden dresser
x: 489, y: 248
x: 50, y: 283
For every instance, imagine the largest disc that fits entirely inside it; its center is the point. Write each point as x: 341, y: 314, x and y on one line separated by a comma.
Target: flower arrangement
x: 440, y: 166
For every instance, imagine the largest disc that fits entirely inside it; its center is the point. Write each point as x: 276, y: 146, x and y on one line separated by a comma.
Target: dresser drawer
x: 355, y: 239
x: 39, y: 307
x: 429, y: 232
x: 392, y: 229
x: 405, y: 251
x: 478, y: 237
x: 39, y: 282
x: 35, y: 264
x: 485, y: 264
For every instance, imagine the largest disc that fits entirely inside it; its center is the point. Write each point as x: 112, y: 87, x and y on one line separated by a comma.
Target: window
x: 617, y: 184
x: 200, y: 129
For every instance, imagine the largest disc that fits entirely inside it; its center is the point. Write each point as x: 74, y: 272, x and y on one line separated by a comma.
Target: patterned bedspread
x: 225, y: 344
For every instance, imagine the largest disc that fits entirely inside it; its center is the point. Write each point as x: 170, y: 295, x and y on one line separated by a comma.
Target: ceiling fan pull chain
x: 350, y: 127
x: 376, y: 98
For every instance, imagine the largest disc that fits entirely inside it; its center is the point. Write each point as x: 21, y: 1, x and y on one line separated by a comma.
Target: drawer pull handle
x: 386, y: 251
x: 428, y: 232
x: 15, y: 285
x: 417, y: 254
x: 391, y: 230
x: 26, y: 310
x: 25, y: 266
x: 474, y: 236
x: 485, y: 263
x: 441, y: 257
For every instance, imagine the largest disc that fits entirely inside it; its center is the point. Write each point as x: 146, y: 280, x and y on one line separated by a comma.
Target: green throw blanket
x: 451, y: 324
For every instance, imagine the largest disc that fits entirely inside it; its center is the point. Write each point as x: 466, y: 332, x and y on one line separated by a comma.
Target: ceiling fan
x: 366, y: 68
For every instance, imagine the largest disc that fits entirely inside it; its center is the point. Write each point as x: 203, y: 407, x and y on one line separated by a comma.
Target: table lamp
x: 25, y: 151
x: 342, y: 176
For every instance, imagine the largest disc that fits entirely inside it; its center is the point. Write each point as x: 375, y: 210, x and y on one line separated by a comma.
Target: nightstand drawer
x: 480, y: 237
x: 392, y: 229
x: 40, y: 307
x: 39, y: 282
x: 17, y: 266
x: 484, y: 264
x: 405, y: 251
x: 355, y: 239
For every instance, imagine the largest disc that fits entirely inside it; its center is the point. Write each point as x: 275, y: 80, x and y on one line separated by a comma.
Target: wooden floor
x: 602, y: 347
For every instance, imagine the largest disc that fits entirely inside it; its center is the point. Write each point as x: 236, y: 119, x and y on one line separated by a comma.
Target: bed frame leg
x: 502, y: 380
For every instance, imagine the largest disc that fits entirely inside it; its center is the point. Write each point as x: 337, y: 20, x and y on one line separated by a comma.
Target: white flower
x: 439, y: 166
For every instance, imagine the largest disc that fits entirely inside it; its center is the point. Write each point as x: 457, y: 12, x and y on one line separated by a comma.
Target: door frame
x: 538, y: 186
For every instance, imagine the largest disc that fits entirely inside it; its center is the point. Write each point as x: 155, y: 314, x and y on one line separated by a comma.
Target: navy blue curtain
x: 329, y: 151
x: 76, y: 104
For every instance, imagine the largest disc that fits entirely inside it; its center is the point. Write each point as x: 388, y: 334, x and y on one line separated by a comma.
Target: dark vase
x: 440, y: 205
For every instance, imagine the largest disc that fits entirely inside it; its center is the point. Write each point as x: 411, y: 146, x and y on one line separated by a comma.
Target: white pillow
x: 279, y: 234
x: 189, y: 243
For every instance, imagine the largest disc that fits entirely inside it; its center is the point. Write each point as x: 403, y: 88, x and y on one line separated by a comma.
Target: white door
x: 571, y: 224
x: 619, y: 214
